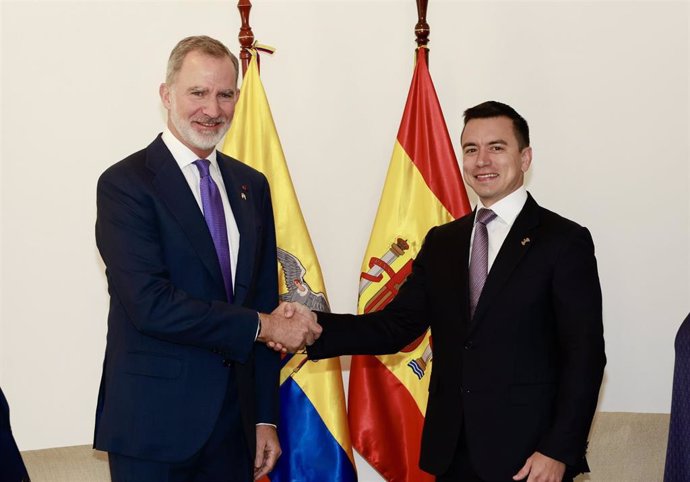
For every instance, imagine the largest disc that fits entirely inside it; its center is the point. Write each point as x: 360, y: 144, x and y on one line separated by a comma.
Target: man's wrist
x: 263, y: 327
x: 266, y: 424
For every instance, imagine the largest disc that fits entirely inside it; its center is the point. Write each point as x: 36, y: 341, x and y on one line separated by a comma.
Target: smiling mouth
x: 209, y: 124
x: 486, y: 177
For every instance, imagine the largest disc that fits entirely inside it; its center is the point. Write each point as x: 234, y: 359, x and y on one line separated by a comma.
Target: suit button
x: 469, y: 345
x: 227, y: 363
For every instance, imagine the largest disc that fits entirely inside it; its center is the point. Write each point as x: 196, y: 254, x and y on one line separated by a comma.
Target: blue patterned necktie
x: 479, y: 259
x: 212, y: 205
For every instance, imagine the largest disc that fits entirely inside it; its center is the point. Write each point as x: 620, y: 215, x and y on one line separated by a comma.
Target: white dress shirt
x: 185, y: 159
x: 507, y: 209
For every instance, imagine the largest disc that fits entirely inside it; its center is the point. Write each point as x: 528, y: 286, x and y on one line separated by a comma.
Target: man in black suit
x: 188, y: 241
x: 517, y: 364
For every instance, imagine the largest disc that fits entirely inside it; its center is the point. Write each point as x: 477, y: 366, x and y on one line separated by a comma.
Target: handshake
x: 290, y: 328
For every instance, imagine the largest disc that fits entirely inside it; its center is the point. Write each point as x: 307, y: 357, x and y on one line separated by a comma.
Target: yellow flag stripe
x: 408, y: 209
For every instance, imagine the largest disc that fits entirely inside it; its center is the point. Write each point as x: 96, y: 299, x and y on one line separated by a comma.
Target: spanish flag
x: 423, y: 189
x: 313, y: 427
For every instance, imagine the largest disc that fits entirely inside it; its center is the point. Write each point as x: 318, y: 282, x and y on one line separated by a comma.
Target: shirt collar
x: 183, y: 155
x: 508, y: 208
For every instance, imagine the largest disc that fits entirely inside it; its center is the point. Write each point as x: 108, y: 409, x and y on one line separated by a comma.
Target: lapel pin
x: 525, y: 241
x: 243, y: 194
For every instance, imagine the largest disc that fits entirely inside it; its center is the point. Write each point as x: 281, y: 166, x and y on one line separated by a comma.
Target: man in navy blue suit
x: 187, y: 392
x: 12, y: 467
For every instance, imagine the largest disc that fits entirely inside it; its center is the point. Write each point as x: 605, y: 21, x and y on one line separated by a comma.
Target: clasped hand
x: 290, y: 327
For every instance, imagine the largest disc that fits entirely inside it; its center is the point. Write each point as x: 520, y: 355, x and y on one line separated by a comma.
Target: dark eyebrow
x: 491, y: 143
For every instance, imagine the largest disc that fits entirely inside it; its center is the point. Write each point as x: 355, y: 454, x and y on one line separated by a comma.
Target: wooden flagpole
x: 421, y: 30
x: 246, y: 36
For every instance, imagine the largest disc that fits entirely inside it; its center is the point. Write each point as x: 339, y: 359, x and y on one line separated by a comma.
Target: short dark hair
x: 198, y: 43
x: 492, y: 108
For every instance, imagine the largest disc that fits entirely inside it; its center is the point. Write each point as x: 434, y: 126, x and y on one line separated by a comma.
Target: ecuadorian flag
x: 313, y: 426
x: 423, y: 188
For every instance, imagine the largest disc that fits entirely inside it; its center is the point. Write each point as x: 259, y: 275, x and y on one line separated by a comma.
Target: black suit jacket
x: 172, y: 336
x: 524, y: 373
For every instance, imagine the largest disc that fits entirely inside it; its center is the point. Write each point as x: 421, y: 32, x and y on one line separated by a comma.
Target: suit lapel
x: 515, y: 246
x: 241, y: 203
x: 459, y: 264
x: 175, y: 193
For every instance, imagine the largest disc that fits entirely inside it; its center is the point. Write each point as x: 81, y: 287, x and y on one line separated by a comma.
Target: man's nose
x: 212, y: 107
x: 483, y: 157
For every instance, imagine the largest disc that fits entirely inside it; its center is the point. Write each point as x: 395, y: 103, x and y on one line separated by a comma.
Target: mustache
x: 211, y: 120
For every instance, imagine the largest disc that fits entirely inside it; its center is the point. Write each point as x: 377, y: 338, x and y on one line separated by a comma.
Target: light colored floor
x: 624, y: 447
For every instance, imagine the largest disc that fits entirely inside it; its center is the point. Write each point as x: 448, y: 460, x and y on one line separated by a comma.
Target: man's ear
x: 526, y: 158
x: 164, y: 92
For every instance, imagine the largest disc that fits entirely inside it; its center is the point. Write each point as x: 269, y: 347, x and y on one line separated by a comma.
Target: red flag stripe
x: 389, y: 435
x: 424, y: 136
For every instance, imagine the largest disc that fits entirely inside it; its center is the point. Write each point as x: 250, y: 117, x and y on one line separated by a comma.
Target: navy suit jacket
x: 12, y: 467
x: 172, y: 336
x: 678, y: 448
x: 524, y: 373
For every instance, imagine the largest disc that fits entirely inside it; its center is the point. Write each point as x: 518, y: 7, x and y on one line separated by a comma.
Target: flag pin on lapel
x: 243, y: 194
x: 525, y: 241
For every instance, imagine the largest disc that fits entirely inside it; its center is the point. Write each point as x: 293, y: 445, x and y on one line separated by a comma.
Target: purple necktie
x: 479, y: 259
x: 215, y: 220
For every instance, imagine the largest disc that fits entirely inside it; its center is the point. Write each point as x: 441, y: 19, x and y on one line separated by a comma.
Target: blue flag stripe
x: 310, y: 452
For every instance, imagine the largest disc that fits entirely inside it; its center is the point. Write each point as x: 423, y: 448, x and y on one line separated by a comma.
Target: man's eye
x: 470, y: 150
x: 197, y: 93
x: 227, y: 95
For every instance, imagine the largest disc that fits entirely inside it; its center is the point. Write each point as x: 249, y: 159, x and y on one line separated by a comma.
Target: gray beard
x: 196, y: 139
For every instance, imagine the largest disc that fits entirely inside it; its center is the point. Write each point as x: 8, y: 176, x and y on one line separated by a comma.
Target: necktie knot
x: 485, y: 216
x: 203, y: 165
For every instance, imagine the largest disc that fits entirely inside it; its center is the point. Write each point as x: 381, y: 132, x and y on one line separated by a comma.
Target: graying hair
x: 197, y: 43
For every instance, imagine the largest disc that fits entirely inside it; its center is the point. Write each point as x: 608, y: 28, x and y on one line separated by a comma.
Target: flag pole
x: 246, y: 36
x: 421, y: 30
